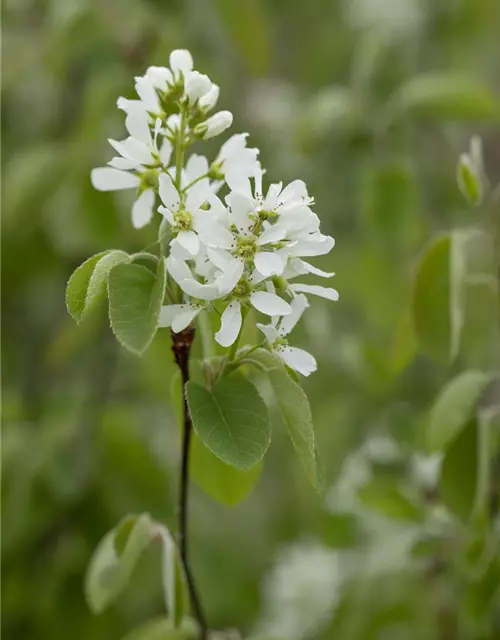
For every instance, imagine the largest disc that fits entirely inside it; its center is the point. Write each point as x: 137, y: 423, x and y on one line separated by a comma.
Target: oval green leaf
x: 454, y: 407
x: 231, y: 420
x: 78, y: 284
x: 135, y: 298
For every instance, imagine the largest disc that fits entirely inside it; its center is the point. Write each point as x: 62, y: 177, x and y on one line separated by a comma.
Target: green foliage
x: 220, y: 481
x: 231, y: 420
x: 446, y: 95
x: 115, y: 559
x: 391, y: 501
x: 294, y: 409
x: 469, y: 180
x: 173, y: 580
x: 135, y: 299
x: 455, y: 406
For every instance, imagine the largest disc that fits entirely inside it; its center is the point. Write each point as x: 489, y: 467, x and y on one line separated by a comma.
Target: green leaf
x: 221, y: 482
x: 439, y: 296
x: 294, y: 409
x: 231, y: 420
x: 135, y: 299
x: 390, y: 501
x: 97, y: 288
x: 454, y: 407
x: 457, y: 487
x: 163, y: 629
x: 78, y: 284
x: 451, y: 96
x: 115, y: 558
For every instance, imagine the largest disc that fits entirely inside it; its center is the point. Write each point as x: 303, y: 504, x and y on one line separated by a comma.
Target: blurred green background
x: 89, y: 433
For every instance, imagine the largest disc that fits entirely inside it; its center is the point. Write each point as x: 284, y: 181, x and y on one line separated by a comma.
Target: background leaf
x: 163, y: 629
x: 457, y: 487
x: 115, y: 559
x: 454, y: 407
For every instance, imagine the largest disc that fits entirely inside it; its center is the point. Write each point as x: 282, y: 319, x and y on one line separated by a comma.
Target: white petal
x: 230, y: 276
x: 148, y: 95
x: 316, y: 290
x: 269, y: 264
x: 213, y: 234
x: 230, y: 325
x: 133, y: 149
x: 269, y: 331
x: 168, y: 192
x: 165, y: 152
x: 209, y: 100
x: 181, y: 60
x: 142, y: 209
x: 299, y: 304
x: 197, y: 85
x: 196, y: 166
x: 309, y: 268
x: 167, y: 214
x: 220, y: 258
x: 270, y: 304
x: 160, y: 77
x: 137, y: 126
x: 109, y: 179
x: 235, y: 143
x: 131, y: 106
x: 177, y: 316
x: 313, y: 247
x: 197, y: 290
x: 298, y: 359
x: 273, y: 233
x: 125, y: 164
x: 258, y: 173
x: 189, y: 240
x: 271, y: 199
x: 178, y: 269
x: 241, y: 206
x: 295, y: 191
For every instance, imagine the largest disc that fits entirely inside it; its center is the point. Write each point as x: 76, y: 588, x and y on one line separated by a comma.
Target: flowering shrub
x: 226, y: 246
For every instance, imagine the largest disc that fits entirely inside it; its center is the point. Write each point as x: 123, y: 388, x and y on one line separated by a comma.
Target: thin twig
x: 181, y: 347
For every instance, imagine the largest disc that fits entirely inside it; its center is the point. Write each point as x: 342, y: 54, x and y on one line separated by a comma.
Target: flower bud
x: 181, y: 61
x: 209, y: 100
x: 197, y: 85
x: 214, y: 126
x: 161, y: 77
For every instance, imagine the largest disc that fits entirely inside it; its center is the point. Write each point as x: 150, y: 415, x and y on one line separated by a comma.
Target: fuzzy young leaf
x: 115, y: 558
x: 231, y: 420
x: 164, y: 629
x: 454, y: 408
x: 221, y: 482
x: 135, y: 299
x: 294, y: 409
x: 78, y: 284
x: 97, y: 289
x: 457, y: 487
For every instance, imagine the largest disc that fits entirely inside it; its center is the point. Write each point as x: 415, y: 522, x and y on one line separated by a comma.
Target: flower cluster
x: 229, y: 252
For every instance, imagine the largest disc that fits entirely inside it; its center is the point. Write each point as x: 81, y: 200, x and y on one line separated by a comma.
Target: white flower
x: 192, y: 224
x: 276, y: 333
x: 197, y: 86
x: 214, y: 125
x: 236, y: 159
x: 140, y: 155
x: 161, y: 77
